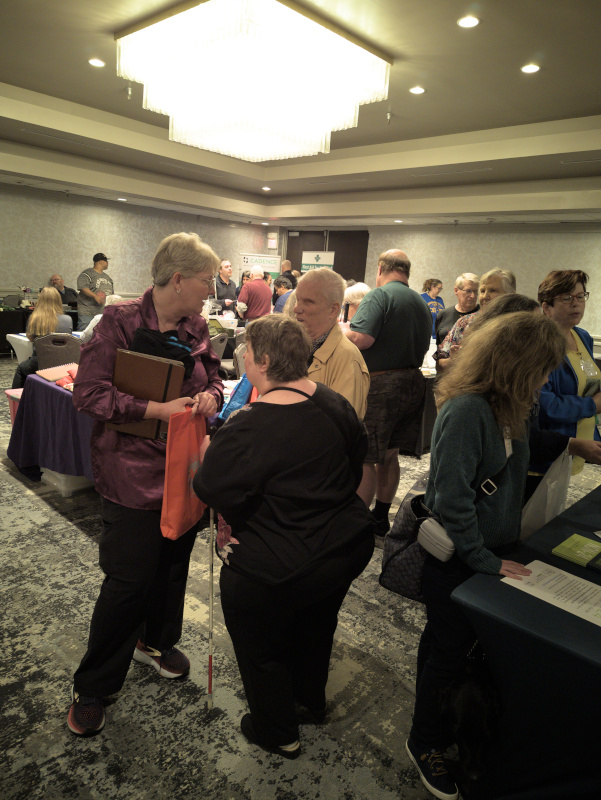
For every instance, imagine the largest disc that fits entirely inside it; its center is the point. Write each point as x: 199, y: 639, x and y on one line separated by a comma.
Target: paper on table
x: 579, y: 597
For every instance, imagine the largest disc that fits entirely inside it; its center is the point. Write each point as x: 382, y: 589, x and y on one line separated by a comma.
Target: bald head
x: 285, y: 266
x: 394, y: 261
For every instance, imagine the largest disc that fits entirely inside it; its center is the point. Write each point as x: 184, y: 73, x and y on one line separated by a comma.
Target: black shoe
x: 248, y: 729
x: 308, y: 716
x: 382, y: 526
x: 433, y: 772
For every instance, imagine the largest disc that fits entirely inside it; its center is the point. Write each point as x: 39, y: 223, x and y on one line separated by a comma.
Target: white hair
x: 256, y: 271
x: 467, y: 277
x: 355, y: 293
x: 330, y: 283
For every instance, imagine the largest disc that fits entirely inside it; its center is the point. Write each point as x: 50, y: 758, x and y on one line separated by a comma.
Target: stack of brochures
x: 580, y: 550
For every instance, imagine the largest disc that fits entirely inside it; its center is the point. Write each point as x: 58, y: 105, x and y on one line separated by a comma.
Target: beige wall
x: 45, y: 232
x: 529, y: 251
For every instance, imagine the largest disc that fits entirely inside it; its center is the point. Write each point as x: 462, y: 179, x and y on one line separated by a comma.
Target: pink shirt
x: 257, y: 296
x: 127, y: 469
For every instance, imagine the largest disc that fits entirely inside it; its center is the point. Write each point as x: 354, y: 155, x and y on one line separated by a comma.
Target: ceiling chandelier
x: 258, y: 80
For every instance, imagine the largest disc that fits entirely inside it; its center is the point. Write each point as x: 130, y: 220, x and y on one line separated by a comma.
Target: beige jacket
x: 338, y: 364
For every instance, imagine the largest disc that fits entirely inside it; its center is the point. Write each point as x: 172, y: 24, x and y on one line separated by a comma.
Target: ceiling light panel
x: 212, y: 100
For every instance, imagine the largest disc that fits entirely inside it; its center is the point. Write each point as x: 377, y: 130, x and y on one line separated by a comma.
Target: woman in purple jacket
x: 139, y: 610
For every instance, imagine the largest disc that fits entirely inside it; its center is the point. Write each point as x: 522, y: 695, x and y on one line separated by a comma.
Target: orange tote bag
x: 186, y: 444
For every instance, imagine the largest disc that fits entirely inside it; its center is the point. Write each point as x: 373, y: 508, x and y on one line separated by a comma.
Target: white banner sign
x: 313, y: 259
x: 269, y: 263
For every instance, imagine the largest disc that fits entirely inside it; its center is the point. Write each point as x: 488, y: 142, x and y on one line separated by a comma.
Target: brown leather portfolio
x: 148, y: 378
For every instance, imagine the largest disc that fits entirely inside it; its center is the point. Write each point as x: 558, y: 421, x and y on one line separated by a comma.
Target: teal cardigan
x: 467, y: 448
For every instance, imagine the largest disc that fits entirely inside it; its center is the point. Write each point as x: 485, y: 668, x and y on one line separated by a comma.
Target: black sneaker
x: 86, y: 715
x: 309, y: 716
x: 433, y: 772
x: 382, y: 526
x: 292, y: 750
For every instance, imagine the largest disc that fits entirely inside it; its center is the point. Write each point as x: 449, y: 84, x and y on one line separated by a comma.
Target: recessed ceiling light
x: 122, y: 199
x: 398, y: 220
x: 468, y: 22
x: 266, y: 188
x: 530, y: 68
x: 96, y: 62
x: 417, y: 90
x: 265, y: 223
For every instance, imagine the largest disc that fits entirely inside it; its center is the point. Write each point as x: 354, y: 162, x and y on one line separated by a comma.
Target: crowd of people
x: 293, y: 475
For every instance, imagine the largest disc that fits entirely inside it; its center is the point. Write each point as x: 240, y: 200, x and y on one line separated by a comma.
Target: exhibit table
x: 49, y: 433
x: 546, y: 662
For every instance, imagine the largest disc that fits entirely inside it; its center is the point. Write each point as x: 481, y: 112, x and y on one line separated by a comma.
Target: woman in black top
x: 283, y: 473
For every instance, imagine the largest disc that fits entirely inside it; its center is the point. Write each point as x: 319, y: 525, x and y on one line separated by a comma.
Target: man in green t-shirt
x: 392, y: 328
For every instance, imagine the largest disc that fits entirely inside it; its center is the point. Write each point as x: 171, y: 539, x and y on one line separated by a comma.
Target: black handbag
x: 403, y: 557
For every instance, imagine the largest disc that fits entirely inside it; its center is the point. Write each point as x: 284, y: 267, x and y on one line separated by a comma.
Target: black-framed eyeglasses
x: 581, y: 297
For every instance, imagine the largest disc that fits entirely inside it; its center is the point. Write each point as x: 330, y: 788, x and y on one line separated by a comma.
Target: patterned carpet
x: 160, y: 741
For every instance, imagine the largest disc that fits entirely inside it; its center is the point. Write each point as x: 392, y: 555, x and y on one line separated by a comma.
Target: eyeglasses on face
x: 469, y: 291
x: 207, y: 281
x: 567, y: 298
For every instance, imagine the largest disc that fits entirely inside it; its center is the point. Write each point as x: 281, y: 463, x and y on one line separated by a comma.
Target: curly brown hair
x: 506, y: 359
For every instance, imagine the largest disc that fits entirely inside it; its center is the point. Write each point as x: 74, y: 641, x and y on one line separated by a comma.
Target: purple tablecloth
x: 49, y: 432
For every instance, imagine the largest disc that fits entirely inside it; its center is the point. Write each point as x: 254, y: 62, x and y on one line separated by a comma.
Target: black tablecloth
x: 547, y: 665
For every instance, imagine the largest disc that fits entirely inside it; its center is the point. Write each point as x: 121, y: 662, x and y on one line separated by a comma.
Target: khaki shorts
x: 395, y: 405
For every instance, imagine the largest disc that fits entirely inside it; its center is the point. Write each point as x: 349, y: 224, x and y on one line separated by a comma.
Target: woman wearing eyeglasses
x: 140, y: 608
x: 571, y: 400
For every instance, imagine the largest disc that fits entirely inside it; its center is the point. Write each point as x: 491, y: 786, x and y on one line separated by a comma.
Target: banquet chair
x: 239, y: 360
x: 55, y: 349
x: 218, y: 343
x: 13, y: 300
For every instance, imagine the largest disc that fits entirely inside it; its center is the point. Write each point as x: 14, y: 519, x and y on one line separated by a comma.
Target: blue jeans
x: 83, y: 320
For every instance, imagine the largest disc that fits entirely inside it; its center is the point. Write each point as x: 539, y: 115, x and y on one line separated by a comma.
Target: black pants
x: 443, y: 646
x: 142, y: 595
x: 25, y: 368
x: 283, y: 638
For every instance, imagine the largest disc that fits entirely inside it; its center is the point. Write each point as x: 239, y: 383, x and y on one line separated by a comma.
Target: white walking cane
x: 211, y: 597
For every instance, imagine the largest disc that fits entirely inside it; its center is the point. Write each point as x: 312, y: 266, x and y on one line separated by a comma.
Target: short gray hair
x: 330, y: 283
x: 185, y: 253
x: 355, y: 293
x: 466, y: 277
x: 506, y: 276
x: 256, y: 270
x: 282, y: 281
x: 284, y: 341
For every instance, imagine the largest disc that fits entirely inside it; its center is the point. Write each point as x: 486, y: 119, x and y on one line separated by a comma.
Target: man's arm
x: 362, y: 340
x: 90, y: 293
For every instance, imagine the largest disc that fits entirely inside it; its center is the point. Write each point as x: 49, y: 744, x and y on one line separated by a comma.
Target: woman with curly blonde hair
x: 484, y: 400
x: 47, y: 318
